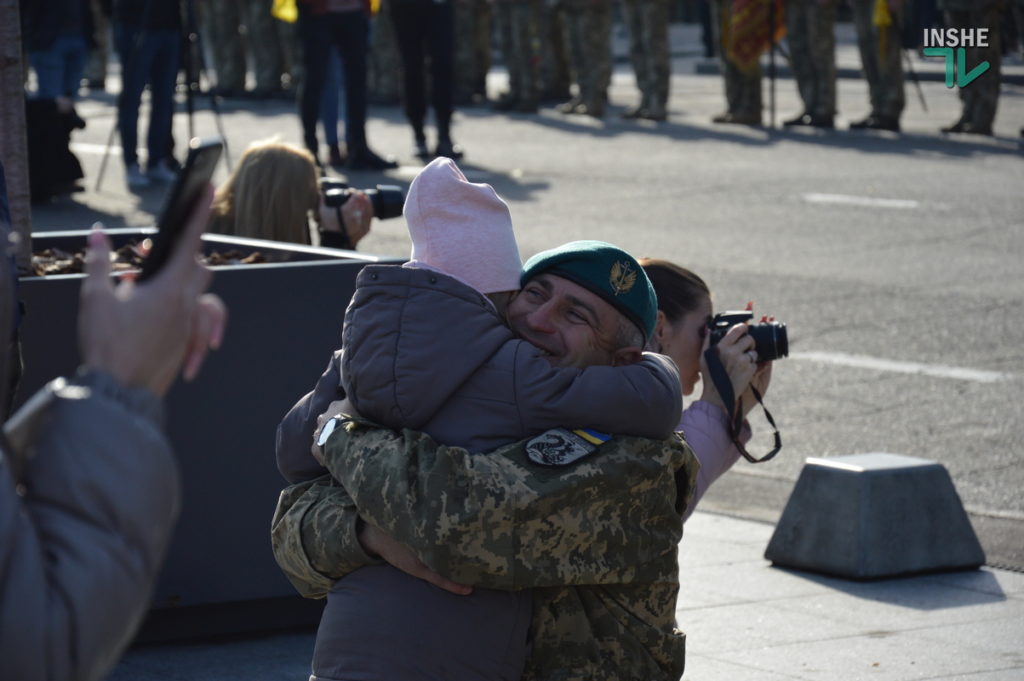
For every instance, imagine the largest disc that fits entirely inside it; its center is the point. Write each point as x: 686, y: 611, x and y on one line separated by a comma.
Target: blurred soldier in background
x: 742, y: 75
x: 265, y: 46
x: 810, y: 25
x: 472, y: 50
x: 234, y: 29
x: 880, y: 42
x: 648, y: 48
x: 220, y: 22
x: 588, y: 28
x: 554, y: 59
x: 384, y: 66
x: 96, y: 66
x: 520, y: 47
x: 981, y: 97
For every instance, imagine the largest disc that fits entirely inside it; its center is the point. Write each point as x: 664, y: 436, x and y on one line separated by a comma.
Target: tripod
x: 193, y: 63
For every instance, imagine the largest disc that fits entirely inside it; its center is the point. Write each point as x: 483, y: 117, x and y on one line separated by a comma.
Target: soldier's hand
x: 376, y: 542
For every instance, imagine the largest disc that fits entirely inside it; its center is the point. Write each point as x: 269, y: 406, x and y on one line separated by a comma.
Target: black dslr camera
x: 387, y: 199
x: 770, y: 339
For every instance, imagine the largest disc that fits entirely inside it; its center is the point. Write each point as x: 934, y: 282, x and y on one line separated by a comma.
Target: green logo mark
x: 963, y: 76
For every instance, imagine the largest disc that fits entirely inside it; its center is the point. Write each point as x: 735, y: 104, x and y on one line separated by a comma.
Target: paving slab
x: 744, y: 620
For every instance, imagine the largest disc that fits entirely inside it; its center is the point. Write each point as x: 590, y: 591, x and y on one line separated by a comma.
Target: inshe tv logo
x: 942, y: 43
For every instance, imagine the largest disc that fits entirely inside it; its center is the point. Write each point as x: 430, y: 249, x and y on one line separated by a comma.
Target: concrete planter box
x: 285, y: 320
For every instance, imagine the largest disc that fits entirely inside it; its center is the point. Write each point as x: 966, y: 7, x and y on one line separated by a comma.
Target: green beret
x: 606, y: 270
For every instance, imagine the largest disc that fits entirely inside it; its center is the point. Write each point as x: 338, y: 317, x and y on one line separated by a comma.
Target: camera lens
x: 387, y: 201
x: 770, y: 340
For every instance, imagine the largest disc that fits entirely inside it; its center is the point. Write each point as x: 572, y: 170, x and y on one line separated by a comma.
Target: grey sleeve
x: 642, y: 399
x: 295, y: 432
x: 85, y: 521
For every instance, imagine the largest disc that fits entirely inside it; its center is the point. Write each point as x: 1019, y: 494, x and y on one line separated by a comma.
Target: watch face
x: 326, y: 432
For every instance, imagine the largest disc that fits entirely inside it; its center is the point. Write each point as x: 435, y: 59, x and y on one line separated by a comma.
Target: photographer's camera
x: 770, y: 339
x: 387, y: 199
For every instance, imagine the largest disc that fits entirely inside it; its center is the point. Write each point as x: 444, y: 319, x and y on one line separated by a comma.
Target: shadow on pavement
x: 935, y: 591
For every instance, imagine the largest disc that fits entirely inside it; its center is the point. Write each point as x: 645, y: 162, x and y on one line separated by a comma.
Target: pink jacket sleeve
x: 705, y: 428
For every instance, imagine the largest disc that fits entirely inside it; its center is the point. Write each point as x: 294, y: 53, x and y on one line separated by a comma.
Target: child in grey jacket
x: 426, y: 345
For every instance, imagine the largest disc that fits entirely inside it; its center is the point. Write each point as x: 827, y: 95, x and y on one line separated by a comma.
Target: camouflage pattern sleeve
x: 314, y: 536
x: 499, y: 520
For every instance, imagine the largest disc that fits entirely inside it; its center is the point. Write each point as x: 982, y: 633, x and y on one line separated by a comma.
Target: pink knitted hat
x: 462, y: 229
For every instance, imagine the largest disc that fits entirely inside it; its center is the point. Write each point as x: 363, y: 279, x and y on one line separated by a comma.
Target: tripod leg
x: 220, y: 130
x: 106, y: 155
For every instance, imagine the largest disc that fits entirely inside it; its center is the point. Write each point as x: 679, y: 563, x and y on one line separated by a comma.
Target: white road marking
x: 86, y: 148
x: 870, y: 202
x: 878, y: 364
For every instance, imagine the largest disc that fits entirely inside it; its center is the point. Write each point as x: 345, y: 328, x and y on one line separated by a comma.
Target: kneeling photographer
x: 276, y: 188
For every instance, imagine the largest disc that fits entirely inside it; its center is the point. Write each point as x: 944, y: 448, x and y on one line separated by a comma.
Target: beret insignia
x: 622, y: 278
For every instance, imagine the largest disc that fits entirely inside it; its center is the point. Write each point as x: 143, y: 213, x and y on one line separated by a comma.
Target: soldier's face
x: 571, y: 325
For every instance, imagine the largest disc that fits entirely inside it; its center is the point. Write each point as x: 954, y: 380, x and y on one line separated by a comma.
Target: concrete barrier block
x: 867, y: 516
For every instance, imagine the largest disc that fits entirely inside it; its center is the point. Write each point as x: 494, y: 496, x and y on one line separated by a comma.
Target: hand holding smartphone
x: 203, y: 155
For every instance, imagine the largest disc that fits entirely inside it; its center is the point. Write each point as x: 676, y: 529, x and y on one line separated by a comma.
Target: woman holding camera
x: 271, y: 194
x: 682, y: 333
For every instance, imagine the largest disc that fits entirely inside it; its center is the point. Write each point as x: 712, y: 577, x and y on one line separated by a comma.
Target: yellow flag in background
x: 285, y: 10
x: 882, y: 19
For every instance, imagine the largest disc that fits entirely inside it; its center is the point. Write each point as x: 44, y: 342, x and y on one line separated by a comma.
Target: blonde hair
x: 269, y: 194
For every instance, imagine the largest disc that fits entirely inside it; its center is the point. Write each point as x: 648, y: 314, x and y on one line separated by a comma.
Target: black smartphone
x: 203, y: 155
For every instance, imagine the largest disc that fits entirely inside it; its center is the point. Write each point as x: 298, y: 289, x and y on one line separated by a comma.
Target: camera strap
x: 720, y: 377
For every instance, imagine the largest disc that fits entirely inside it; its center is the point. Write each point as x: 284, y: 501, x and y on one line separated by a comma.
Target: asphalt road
x: 894, y: 260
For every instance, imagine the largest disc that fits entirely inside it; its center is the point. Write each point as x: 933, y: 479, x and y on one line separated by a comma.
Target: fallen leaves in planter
x: 128, y: 257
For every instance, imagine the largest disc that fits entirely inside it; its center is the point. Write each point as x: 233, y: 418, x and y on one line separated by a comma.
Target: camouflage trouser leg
x: 96, y: 67
x: 291, y: 52
x: 599, y: 47
x: 384, y: 65
x: 572, y: 27
x: 648, y: 48
x: 884, y: 73
x: 981, y: 97
x: 522, y: 55
x: 224, y: 43
x: 810, y: 26
x: 554, y: 60
x: 742, y: 88
x: 471, y: 23
x: 482, y: 46
x: 264, y: 45
x: 588, y: 34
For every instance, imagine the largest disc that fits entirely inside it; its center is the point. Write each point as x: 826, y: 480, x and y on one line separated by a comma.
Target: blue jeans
x: 332, y: 98
x: 59, y: 69
x: 147, y: 57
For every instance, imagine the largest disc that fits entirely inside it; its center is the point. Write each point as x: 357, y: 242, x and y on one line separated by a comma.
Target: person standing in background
x: 517, y: 31
x: 810, y: 25
x: 981, y: 97
x: 221, y: 20
x: 425, y: 32
x: 880, y: 43
x: 148, y: 39
x: 346, y: 25
x: 588, y: 30
x: 649, y: 50
x: 472, y: 50
x: 57, y: 36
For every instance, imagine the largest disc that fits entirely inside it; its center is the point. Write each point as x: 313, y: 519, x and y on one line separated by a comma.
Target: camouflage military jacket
x: 606, y: 525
